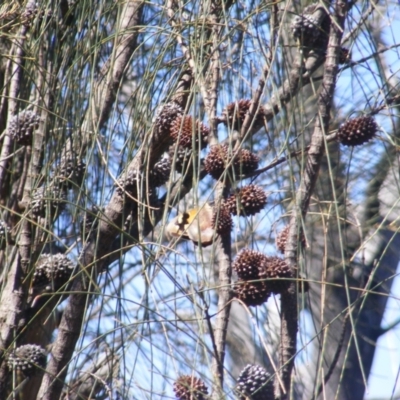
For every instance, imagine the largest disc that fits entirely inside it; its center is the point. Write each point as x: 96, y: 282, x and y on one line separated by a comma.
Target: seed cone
x: 222, y: 221
x: 281, y: 239
x: 249, y: 200
x: 71, y: 172
x: 47, y: 199
x: 219, y: 158
x: 22, y: 126
x: 52, y: 271
x: 165, y: 116
x: 255, y: 383
x: 235, y: 114
x: 304, y: 25
x: 251, y: 293
x: 250, y: 265
x: 180, y: 158
x: 188, y: 387
x: 159, y: 174
x: 128, y: 182
x: 308, y: 31
x: 357, y: 131
x: 259, y: 276
x: 27, y: 359
x: 185, y: 131
x: 278, y: 268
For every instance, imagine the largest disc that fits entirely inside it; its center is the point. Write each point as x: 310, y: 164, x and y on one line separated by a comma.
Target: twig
x: 16, y: 74
x: 335, y: 358
x: 303, y: 196
x: 106, y: 90
x: 186, y: 53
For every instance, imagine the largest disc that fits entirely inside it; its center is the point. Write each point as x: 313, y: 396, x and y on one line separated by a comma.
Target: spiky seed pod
x: 52, y: 271
x: 255, y: 383
x: 249, y: 200
x: 184, y: 130
x: 4, y: 234
x: 222, y: 221
x: 188, y: 387
x: 71, y: 172
x: 308, y: 31
x: 281, y: 239
x: 245, y: 162
x: 22, y: 125
x: 159, y: 174
x: 344, y: 56
x: 128, y: 182
x: 214, y: 163
x: 28, y: 359
x: 357, y: 131
x: 235, y: 114
x: 278, y: 268
x: 165, y: 116
x: 180, y: 157
x: 250, y: 265
x: 219, y: 158
x: 305, y: 25
x: 44, y: 196
x: 251, y: 293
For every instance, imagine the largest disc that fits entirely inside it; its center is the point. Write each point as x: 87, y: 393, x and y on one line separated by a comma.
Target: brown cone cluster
x: 219, y: 158
x: 185, y: 131
x: 357, y: 131
x: 278, y: 273
x: 128, y: 182
x: 22, y: 126
x: 255, y: 383
x: 249, y: 200
x: 259, y: 276
x: 222, y: 221
x: 28, y: 359
x: 251, y: 293
x: 52, y: 271
x: 187, y: 387
x: 71, y: 172
x: 180, y: 158
x: 235, y: 114
x: 159, y: 174
x: 46, y: 199
x: 281, y: 239
x: 165, y: 116
x: 251, y: 265
x: 307, y: 30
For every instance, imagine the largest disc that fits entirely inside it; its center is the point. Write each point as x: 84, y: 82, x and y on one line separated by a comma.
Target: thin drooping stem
x: 73, y: 315
x: 304, y: 193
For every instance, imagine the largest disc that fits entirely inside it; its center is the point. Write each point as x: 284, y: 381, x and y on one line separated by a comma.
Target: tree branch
x: 303, y: 196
